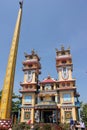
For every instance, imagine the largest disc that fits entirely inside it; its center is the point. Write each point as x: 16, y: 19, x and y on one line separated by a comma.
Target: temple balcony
x: 61, y: 64
x: 66, y: 88
x: 30, y: 68
x: 47, y: 103
x: 63, y: 57
x: 45, y: 93
x: 30, y: 61
x: 27, y: 90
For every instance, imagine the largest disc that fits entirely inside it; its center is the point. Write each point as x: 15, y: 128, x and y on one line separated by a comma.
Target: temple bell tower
x: 67, y: 85
x: 31, y: 69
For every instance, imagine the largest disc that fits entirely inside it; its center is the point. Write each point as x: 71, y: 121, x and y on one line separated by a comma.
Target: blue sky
x: 46, y: 25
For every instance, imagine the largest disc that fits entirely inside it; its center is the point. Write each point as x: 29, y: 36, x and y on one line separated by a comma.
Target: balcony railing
x: 47, y: 103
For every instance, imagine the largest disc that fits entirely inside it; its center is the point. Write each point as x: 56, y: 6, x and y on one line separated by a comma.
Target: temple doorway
x: 47, y: 115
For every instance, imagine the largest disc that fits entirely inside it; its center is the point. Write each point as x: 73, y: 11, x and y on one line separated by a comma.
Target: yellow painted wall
x: 73, y: 110
x: 27, y: 110
x: 62, y: 116
x: 70, y: 74
x: 74, y: 113
x: 22, y: 115
x: 32, y: 116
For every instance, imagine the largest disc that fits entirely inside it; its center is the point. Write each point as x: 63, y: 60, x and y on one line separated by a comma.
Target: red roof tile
x: 48, y: 80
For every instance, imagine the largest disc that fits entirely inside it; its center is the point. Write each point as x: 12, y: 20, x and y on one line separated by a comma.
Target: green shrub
x: 43, y: 127
x: 65, y: 126
x: 21, y: 126
x: 47, y: 127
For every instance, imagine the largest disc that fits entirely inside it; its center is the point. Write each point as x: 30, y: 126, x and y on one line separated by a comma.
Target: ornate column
x: 7, y: 91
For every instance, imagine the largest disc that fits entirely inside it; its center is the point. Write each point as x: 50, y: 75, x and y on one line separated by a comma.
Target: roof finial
x: 62, y: 47
x: 69, y: 48
x: 56, y: 49
x: 21, y: 4
x: 33, y: 52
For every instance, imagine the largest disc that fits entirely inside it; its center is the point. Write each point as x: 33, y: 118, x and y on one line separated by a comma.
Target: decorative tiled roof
x: 49, y: 80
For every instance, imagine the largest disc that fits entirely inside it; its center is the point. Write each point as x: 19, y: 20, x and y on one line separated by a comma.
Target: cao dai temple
x: 49, y: 100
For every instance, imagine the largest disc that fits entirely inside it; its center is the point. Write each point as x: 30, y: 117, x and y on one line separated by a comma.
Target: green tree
x: 15, y: 105
x: 83, y: 113
x: 16, y: 102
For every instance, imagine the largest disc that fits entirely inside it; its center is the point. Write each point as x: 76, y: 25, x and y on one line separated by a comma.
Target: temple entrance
x: 47, y: 115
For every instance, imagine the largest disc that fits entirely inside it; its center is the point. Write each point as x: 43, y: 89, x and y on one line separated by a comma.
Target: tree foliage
x: 21, y: 126
x: 83, y: 113
x: 15, y: 105
x: 16, y: 102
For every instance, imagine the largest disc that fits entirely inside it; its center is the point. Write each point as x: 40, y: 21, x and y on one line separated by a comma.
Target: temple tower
x: 31, y: 69
x: 5, y: 110
x: 67, y: 85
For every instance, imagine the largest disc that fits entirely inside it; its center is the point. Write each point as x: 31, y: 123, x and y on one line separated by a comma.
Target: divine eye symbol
x: 29, y: 76
x: 65, y: 73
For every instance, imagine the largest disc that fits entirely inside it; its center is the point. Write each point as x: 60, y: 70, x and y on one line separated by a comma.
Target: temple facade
x: 50, y: 100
